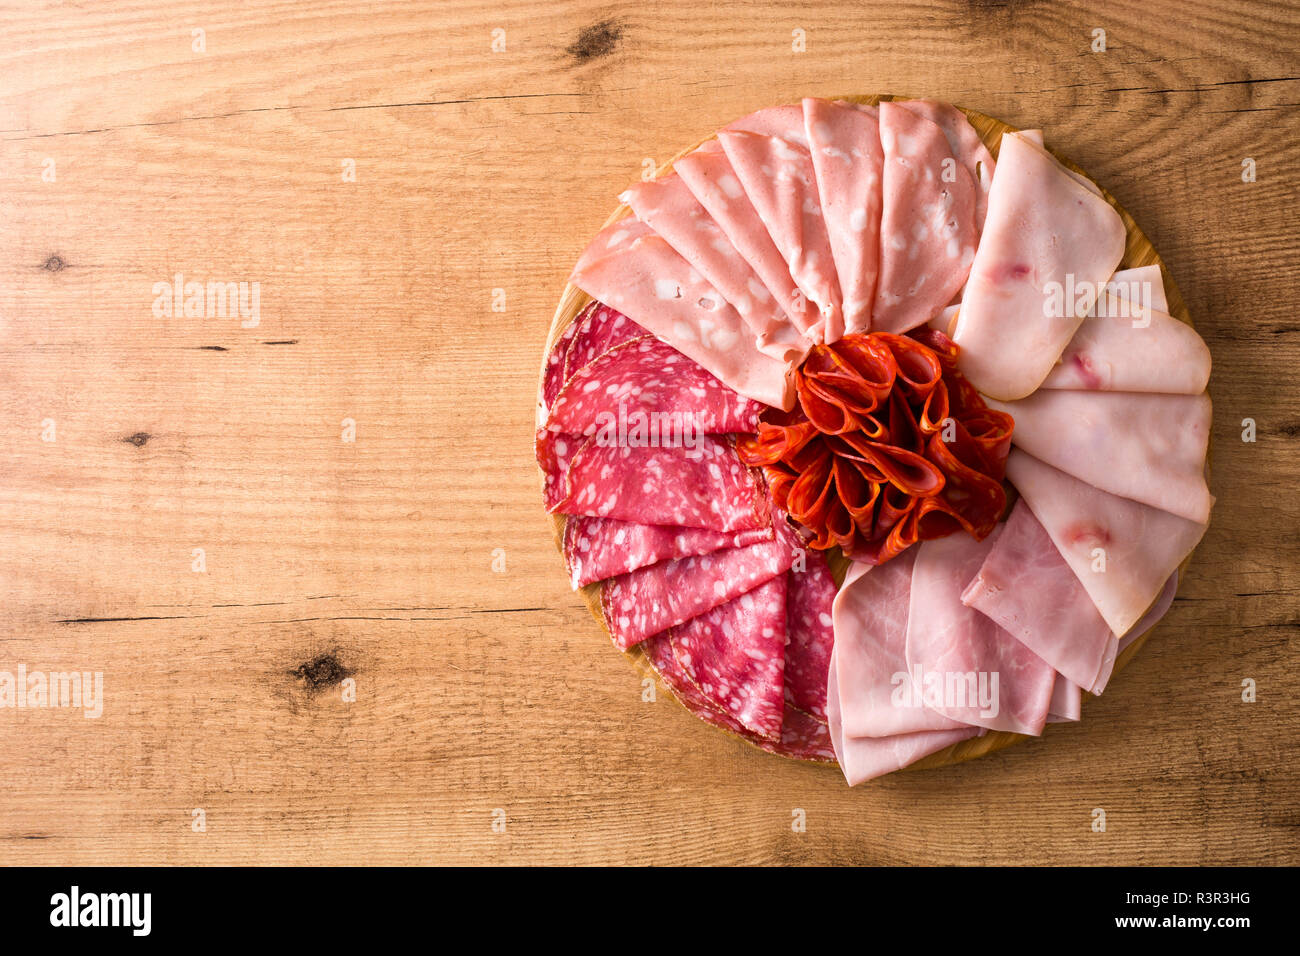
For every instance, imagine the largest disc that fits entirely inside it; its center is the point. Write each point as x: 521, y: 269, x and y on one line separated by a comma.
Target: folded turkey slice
x: 779, y: 179
x: 668, y: 207
x: 1045, y: 225
x: 1123, y: 552
x: 1026, y: 587
x: 637, y: 272
x: 1144, y: 446
x: 709, y: 176
x: 844, y: 142
x: 987, y: 677
x: 927, y: 223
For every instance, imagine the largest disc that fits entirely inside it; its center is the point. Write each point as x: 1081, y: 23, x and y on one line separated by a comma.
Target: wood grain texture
x: 479, y: 690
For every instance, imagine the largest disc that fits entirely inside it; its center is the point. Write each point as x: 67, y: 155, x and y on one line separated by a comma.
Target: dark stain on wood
x: 54, y: 264
x: 281, y: 342
x: 596, y: 41
x: 321, y: 672
x: 213, y: 348
x: 139, y: 439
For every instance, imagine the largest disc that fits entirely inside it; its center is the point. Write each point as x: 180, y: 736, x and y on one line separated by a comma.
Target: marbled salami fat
x: 653, y: 599
x: 810, y: 635
x: 599, y: 548
x: 735, y: 655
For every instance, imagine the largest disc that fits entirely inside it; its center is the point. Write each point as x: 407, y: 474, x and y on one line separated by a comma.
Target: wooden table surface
x: 413, y: 567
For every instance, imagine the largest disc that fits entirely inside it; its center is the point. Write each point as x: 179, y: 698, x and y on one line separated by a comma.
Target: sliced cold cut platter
x: 875, y: 429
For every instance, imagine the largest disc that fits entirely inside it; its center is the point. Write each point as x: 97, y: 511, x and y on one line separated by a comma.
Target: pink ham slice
x: 865, y: 758
x: 735, y: 655
x: 845, y: 147
x: 708, y: 174
x: 778, y: 177
x: 599, y: 548
x: 1044, y: 224
x: 1122, y: 551
x: 705, y: 486
x: 645, y: 602
x: 870, y: 622
x: 1153, y: 614
x: 1122, y: 347
x: 965, y: 144
x: 810, y: 634
x: 1147, y: 447
x: 927, y: 224
x: 1067, y: 701
x: 1026, y: 588
x: 641, y: 276
x: 667, y: 206
x: 945, y: 637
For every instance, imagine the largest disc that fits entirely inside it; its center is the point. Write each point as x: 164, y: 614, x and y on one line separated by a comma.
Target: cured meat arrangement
x: 862, y: 440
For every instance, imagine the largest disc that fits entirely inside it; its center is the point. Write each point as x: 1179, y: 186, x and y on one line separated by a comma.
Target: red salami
x: 553, y: 379
x: 735, y: 655
x: 802, y: 737
x: 599, y: 548
x: 810, y: 635
x: 653, y: 599
x: 702, y: 487
x: 597, y: 330
x: 643, y: 391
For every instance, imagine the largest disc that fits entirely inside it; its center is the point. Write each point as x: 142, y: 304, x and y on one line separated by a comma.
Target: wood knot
x: 596, y: 41
x: 54, y: 264
x: 138, y: 439
x: 321, y: 671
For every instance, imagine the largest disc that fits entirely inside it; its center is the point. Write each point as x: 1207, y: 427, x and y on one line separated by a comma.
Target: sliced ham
x: 1122, y: 551
x: 1026, y: 587
x: 845, y: 146
x: 1153, y: 614
x: 669, y: 208
x: 1044, y: 225
x: 599, y: 548
x: 778, y: 177
x: 641, y: 276
x: 1067, y: 701
x: 989, y: 678
x: 870, y: 618
x: 708, y: 174
x: 1147, y: 447
x: 927, y: 224
x: 865, y: 758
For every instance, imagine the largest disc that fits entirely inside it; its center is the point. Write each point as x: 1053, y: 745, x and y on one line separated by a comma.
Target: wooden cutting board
x: 491, y: 723
x: 1138, y: 251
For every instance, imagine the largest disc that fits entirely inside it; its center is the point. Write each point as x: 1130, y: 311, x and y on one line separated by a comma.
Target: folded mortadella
x: 1044, y: 226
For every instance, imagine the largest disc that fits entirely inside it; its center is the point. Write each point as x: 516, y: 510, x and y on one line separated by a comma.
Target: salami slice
x: 802, y: 737
x: 653, y: 599
x: 599, y: 548
x: 644, y: 390
x: 705, y: 486
x: 597, y: 330
x: 554, y: 377
x: 735, y: 655
x: 810, y: 635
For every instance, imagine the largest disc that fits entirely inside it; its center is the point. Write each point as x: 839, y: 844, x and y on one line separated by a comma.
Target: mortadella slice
x: 645, y: 279
x: 1147, y: 447
x: 927, y: 223
x: 965, y: 144
x: 1028, y: 589
x: 1123, y: 552
x: 1044, y: 226
x: 708, y: 174
x: 988, y: 678
x: 668, y: 207
x: 845, y: 146
x: 870, y: 620
x: 865, y: 758
x: 778, y: 177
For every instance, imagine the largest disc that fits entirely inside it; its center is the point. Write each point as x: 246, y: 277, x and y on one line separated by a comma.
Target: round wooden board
x: 1138, y: 251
